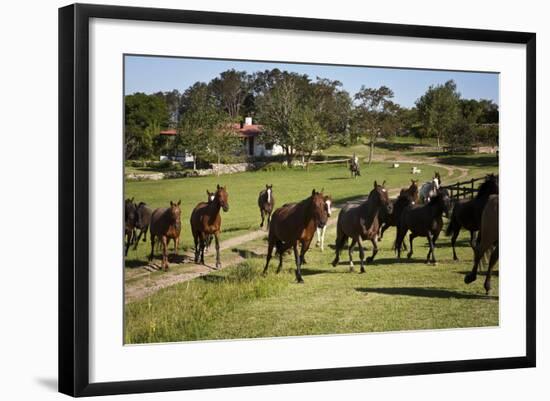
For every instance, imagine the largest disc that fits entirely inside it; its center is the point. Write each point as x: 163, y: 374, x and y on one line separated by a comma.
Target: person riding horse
x: 354, y: 166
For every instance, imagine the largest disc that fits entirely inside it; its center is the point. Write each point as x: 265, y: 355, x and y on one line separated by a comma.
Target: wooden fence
x: 465, y: 189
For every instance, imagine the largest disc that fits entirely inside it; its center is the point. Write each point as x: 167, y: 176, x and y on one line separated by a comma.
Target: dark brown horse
x: 411, y: 191
x: 423, y: 221
x: 206, y: 221
x: 360, y: 222
x: 467, y: 213
x: 165, y: 224
x: 488, y: 241
x: 143, y: 219
x: 129, y: 223
x: 296, y: 223
x: 406, y: 197
x: 266, y: 203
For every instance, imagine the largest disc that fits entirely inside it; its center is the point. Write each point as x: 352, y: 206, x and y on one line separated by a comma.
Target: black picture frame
x: 74, y: 200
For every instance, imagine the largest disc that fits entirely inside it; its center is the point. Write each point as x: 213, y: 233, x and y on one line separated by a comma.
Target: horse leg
x: 472, y: 276
x: 152, y: 246
x: 370, y: 259
x: 262, y: 216
x: 128, y: 237
x: 269, y: 254
x: 431, y: 251
x: 299, y: 278
x: 305, y: 248
x: 145, y: 233
x: 323, y: 230
x: 164, y: 253
x: 350, y: 253
x: 202, y: 241
x: 217, y: 240
x: 492, y: 261
x: 137, y: 240
x: 196, y: 242
x: 176, y: 245
x: 453, y: 242
x: 411, y: 238
x: 361, y: 255
x: 318, y: 236
x: 269, y: 220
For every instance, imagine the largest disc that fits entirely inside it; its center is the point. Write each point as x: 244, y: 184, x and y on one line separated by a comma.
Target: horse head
x: 130, y: 210
x: 174, y: 212
x: 269, y: 191
x: 319, y: 209
x: 222, y: 197
x: 380, y: 194
x: 211, y: 196
x: 328, y: 205
x: 489, y: 186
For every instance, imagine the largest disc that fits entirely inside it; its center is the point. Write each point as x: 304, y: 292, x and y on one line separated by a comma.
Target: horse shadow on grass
x: 248, y: 254
x: 494, y: 273
x: 426, y: 293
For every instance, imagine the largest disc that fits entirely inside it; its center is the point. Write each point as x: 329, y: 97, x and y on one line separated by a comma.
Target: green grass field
x: 237, y: 302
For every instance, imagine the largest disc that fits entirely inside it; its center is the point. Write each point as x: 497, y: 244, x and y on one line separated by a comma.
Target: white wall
x: 28, y: 293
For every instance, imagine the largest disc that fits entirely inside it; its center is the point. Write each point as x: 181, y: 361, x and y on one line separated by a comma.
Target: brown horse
x: 129, y: 223
x: 206, y: 221
x: 406, y: 197
x: 296, y: 223
x: 467, y: 213
x: 488, y: 241
x: 411, y: 191
x: 165, y: 224
x: 360, y: 222
x: 266, y: 203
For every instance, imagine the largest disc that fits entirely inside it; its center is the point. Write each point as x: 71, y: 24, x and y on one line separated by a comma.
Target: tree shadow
x: 395, y: 146
x: 339, y: 178
x: 426, y: 293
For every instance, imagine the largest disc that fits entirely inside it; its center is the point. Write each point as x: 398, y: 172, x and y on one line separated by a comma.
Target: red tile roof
x: 248, y: 130
x: 169, y: 132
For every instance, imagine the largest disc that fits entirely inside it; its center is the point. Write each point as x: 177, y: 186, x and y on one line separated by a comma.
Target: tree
x: 231, y: 89
x: 144, y: 117
x: 460, y: 136
x: 200, y: 118
x: 278, y: 110
x: 375, y: 114
x: 332, y: 107
x: 439, y: 109
x: 310, y: 135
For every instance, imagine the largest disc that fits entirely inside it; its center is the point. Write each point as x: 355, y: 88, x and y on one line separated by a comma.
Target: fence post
x: 472, y: 193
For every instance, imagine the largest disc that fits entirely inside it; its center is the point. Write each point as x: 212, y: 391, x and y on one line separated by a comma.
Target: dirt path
x: 142, y: 281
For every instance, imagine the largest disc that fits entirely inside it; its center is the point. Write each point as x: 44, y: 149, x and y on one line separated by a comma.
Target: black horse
x: 129, y: 223
x: 143, y: 219
x: 423, y: 221
x: 467, y: 213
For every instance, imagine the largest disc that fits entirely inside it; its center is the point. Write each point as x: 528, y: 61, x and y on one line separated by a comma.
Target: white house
x: 252, y: 140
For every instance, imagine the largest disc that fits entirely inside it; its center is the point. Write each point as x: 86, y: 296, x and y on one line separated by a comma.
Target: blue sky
x: 153, y: 74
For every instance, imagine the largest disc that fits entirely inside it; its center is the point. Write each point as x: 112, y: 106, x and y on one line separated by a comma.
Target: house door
x: 251, y: 146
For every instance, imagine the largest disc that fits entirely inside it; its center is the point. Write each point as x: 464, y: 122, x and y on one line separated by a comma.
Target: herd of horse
x: 417, y: 211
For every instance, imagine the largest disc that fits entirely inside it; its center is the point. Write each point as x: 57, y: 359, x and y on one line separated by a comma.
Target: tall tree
x: 200, y: 118
x: 439, y: 109
x: 231, y: 89
x: 144, y: 116
x: 375, y: 114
